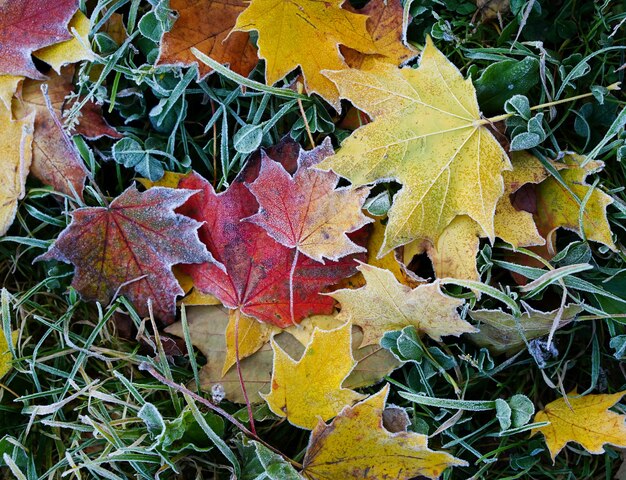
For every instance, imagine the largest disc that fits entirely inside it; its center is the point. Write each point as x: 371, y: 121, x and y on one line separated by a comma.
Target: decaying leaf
x: 428, y: 135
x: 70, y: 51
x: 384, y: 304
x: 305, y: 33
x: 310, y: 388
x: 206, y: 25
x: 557, y: 208
x: 5, y: 353
x: 56, y: 161
x: 252, y: 336
x: 585, y: 420
x: 305, y: 211
x: 208, y: 325
x: 356, y: 445
x: 250, y: 270
x: 129, y: 247
x: 16, y: 138
x: 502, y: 333
x: 29, y: 25
x: 385, y: 24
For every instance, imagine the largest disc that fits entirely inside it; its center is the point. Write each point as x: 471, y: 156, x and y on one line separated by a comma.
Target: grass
x: 76, y: 404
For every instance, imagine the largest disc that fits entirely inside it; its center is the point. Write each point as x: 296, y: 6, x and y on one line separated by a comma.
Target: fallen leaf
x: 27, y: 26
x: 206, y: 25
x: 385, y: 24
x: 306, y: 211
x: 384, y: 305
x: 427, y: 134
x: 6, y: 358
x: 390, y: 260
x: 303, y: 390
x: 305, y: 33
x: 502, y: 333
x: 251, y: 271
x: 129, y: 247
x: 114, y: 27
x: 56, y: 161
x: 252, y: 336
x: 492, y: 9
x: 69, y: 51
x: 454, y: 253
x: 8, y: 87
x: 585, y: 420
x: 356, y: 445
x: 556, y: 208
x: 207, y: 328
x: 16, y: 138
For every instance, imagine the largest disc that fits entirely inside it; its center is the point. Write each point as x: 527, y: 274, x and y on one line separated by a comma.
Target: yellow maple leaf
x: 306, y: 389
x: 305, y: 33
x: 502, y: 333
x: 556, y: 207
x: 454, y: 253
x: 428, y: 135
x: 356, y: 445
x: 585, y: 420
x: 252, y: 336
x: 384, y: 304
x: 5, y: 353
x: 70, y: 51
x: 16, y: 137
x: 8, y: 87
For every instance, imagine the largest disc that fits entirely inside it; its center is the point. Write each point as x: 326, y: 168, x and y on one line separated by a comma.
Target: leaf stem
x: 291, y: 274
x: 146, y: 367
x: 504, y: 116
x: 239, y: 374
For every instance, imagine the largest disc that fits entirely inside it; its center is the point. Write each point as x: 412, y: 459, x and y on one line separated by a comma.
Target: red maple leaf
x: 250, y: 269
x: 129, y: 249
x: 28, y: 25
x: 305, y: 211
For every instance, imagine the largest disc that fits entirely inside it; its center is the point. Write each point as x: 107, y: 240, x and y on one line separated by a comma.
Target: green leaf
x: 502, y: 80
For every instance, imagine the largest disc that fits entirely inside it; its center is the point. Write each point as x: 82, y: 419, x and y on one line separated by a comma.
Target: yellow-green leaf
x: 384, y: 304
x: 356, y: 445
x: 428, y: 135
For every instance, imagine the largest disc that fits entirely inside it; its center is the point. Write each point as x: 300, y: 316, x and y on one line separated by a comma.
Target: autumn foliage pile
x: 321, y: 281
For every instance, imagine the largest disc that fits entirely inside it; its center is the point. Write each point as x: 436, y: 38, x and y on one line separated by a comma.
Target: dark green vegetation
x: 77, y: 373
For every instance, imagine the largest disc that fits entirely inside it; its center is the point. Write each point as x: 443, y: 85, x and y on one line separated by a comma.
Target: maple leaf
x: 69, y: 51
x: 305, y: 211
x: 8, y: 87
x: 56, y: 161
x: 309, y: 388
x: 305, y: 33
x: 15, y: 158
x: 250, y: 270
x: 6, y: 358
x: 208, y: 327
x: 502, y: 333
x: 385, y: 24
x: 454, y: 253
x: 206, y: 25
x: 28, y: 25
x: 366, y: 449
x: 556, y: 207
x: 384, y: 304
x: 129, y: 248
x: 252, y: 336
x: 585, y: 420
x: 427, y: 134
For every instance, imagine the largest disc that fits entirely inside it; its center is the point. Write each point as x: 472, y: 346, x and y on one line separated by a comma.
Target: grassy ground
x: 70, y: 406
